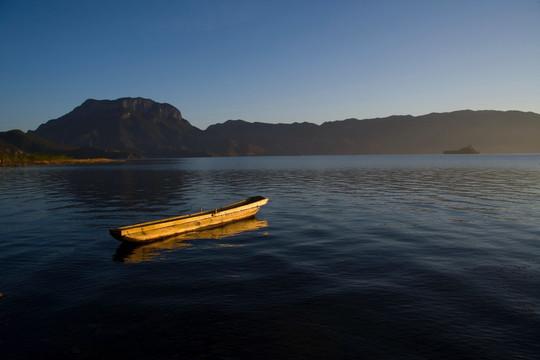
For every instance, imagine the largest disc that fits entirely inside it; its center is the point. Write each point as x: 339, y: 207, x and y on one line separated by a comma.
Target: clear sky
x: 269, y: 60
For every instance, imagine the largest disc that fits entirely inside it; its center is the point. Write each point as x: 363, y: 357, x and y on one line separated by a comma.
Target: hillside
x: 17, y: 142
x: 153, y: 129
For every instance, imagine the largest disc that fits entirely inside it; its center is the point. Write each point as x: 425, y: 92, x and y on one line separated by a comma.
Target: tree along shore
x: 24, y: 159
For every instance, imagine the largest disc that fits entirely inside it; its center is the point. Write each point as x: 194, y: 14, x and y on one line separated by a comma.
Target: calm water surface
x: 375, y: 257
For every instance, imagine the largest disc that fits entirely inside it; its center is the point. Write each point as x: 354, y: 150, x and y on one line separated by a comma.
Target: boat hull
x: 161, y: 229
x: 141, y: 252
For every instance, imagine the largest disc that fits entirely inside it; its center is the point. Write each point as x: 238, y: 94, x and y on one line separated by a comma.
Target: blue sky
x: 269, y: 61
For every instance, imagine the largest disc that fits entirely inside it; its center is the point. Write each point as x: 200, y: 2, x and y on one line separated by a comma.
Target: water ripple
x: 377, y: 257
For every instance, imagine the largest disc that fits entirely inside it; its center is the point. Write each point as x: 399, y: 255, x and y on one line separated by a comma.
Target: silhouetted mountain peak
x: 126, y: 124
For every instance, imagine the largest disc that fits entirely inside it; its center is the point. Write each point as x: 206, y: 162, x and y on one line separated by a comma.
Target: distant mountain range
x: 137, y: 126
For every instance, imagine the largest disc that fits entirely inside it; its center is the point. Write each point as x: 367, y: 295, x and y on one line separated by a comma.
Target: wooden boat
x: 155, y: 250
x: 161, y: 229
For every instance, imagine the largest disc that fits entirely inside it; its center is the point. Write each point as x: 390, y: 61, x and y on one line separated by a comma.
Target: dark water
x: 376, y: 257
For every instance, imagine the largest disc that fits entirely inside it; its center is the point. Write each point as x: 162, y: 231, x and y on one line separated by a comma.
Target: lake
x: 353, y: 257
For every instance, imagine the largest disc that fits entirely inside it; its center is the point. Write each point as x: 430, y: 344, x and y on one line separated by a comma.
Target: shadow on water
x: 135, y: 253
x: 128, y: 192
x: 120, y: 186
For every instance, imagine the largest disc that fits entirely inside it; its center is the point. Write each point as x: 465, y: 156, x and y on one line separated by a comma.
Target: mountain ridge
x: 149, y: 128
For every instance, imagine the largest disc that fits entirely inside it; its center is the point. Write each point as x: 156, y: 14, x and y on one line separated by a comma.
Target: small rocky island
x: 466, y: 150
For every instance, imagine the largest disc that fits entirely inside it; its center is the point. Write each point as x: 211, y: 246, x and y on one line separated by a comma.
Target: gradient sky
x: 269, y: 61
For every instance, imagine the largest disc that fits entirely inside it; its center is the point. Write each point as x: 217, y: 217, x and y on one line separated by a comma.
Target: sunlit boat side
x: 156, y: 250
x: 164, y: 228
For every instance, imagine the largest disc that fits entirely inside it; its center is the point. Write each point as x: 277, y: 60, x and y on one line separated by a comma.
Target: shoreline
x: 52, y: 161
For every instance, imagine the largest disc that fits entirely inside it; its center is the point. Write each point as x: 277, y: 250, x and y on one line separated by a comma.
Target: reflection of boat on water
x: 160, y: 229
x: 134, y: 253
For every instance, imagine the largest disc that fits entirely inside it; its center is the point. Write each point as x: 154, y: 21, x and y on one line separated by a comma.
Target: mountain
x: 153, y: 129
x: 128, y: 124
x: 487, y: 131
